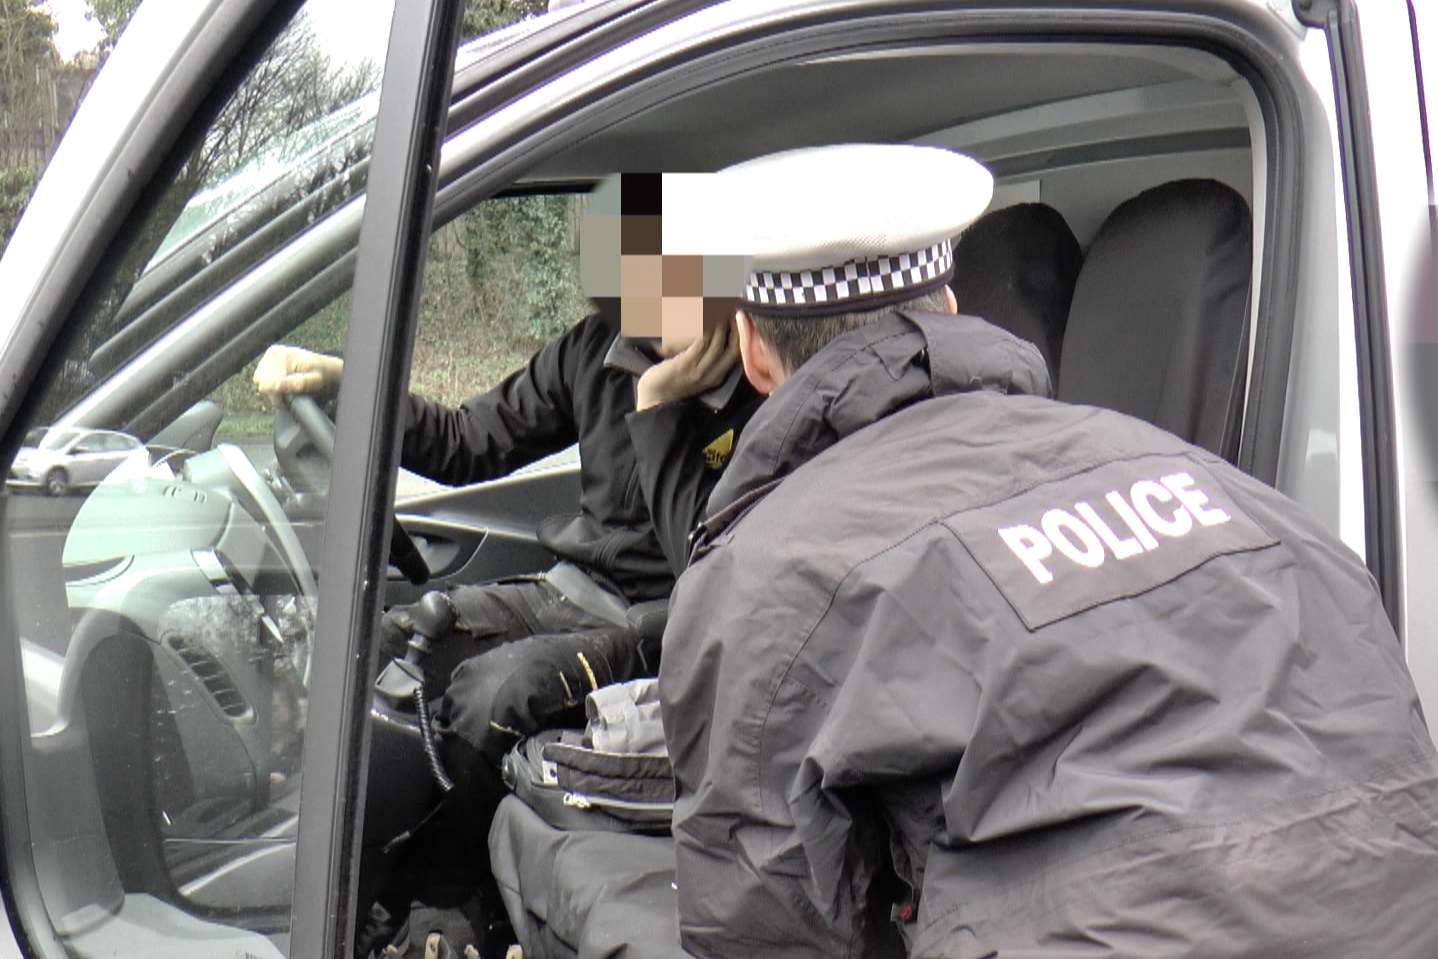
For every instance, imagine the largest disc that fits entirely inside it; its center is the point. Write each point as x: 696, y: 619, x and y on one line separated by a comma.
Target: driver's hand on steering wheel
x: 286, y: 370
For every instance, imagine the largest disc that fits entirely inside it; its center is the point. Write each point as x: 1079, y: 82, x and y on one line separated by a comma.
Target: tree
x: 267, y: 120
x: 27, y: 55
x: 27, y: 61
x: 111, y: 15
x: 480, y: 16
x: 292, y: 85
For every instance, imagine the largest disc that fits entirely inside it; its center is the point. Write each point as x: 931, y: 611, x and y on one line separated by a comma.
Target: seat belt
x: 577, y: 586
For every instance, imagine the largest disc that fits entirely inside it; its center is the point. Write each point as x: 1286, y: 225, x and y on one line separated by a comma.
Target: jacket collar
x: 860, y: 378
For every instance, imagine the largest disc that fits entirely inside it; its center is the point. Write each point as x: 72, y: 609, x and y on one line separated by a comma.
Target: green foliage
x: 470, y: 334
x: 483, y: 16
x: 15, y: 187
x: 523, y: 252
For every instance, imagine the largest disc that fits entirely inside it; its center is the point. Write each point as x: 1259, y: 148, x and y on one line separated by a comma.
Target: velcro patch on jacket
x: 1112, y: 532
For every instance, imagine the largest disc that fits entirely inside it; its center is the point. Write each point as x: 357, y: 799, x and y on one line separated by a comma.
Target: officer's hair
x: 795, y: 338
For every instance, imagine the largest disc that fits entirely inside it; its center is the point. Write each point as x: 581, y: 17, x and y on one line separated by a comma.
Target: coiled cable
x: 426, y: 738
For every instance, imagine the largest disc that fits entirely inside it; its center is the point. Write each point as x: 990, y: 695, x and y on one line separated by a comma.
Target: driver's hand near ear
x: 699, y: 367
x: 286, y: 370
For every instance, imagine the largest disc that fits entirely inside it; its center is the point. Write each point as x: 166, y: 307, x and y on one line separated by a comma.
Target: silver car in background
x: 59, y: 459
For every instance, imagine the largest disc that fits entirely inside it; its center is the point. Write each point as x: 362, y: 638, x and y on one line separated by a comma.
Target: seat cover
x: 1016, y: 267
x: 584, y: 893
x: 1157, y: 327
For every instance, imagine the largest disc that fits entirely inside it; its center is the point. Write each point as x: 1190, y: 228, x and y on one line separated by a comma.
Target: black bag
x: 615, y: 775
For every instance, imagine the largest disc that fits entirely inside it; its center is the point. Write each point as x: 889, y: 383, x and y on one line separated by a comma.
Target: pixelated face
x: 644, y: 240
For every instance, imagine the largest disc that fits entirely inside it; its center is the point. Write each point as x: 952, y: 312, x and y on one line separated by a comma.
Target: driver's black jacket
x: 1087, y: 689
x: 580, y: 388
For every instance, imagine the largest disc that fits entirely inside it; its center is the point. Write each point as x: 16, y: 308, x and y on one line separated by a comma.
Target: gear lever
x: 433, y: 619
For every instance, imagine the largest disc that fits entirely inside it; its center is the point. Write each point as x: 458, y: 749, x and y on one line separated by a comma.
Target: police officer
x: 965, y: 671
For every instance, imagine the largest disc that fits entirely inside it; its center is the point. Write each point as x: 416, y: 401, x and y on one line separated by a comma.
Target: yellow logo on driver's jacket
x: 716, y: 454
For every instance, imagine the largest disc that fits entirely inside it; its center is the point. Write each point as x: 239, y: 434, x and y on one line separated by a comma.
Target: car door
x: 1382, y: 119
x: 162, y: 707
x: 1406, y: 73
x: 91, y: 458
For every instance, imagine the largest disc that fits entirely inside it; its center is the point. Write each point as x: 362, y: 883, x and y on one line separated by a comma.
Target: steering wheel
x: 320, y: 430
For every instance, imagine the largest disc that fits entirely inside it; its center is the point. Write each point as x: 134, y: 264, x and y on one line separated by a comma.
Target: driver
x: 655, y: 418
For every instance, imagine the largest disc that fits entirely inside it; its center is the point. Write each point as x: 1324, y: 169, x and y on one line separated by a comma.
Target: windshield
x: 314, y: 154
x: 325, y: 147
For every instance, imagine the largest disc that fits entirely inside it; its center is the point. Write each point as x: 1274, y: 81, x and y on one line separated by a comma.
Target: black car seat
x: 1158, y: 324
x: 1016, y: 267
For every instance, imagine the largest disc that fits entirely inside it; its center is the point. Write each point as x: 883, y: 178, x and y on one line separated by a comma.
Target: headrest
x: 1158, y: 323
x: 1016, y: 267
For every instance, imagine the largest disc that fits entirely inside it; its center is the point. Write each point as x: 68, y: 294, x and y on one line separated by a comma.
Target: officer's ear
x: 761, y: 365
x: 950, y: 299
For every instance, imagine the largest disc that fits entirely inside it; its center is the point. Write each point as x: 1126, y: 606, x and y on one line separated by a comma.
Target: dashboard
x: 197, y: 567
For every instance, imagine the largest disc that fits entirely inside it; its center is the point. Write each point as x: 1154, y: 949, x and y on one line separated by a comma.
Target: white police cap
x: 851, y: 227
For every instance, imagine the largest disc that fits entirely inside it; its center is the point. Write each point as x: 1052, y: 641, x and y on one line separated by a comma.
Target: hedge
x: 15, y: 187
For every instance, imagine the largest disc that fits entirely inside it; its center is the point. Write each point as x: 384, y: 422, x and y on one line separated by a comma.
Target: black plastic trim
x: 518, y: 68
x: 389, y: 267
x: 1339, y: 21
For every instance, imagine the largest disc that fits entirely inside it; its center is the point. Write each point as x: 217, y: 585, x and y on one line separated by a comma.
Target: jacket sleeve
x: 672, y: 475
x: 791, y: 716
x: 746, y: 883
x: 524, y: 418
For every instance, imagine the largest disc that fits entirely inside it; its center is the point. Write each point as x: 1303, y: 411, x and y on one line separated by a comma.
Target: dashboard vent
x: 212, y: 673
x: 186, y: 493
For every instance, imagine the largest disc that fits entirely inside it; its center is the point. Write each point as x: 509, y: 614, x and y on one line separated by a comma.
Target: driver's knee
x: 520, y: 688
x: 489, y: 704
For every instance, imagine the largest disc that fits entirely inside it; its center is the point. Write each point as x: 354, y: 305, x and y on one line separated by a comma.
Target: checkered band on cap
x: 851, y: 282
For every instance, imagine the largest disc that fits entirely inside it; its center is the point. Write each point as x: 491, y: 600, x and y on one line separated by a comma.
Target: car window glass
x: 500, y: 281
x: 166, y: 588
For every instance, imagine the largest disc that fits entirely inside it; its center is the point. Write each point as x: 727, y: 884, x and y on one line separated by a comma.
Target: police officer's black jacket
x: 1090, y: 690
x: 567, y: 393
